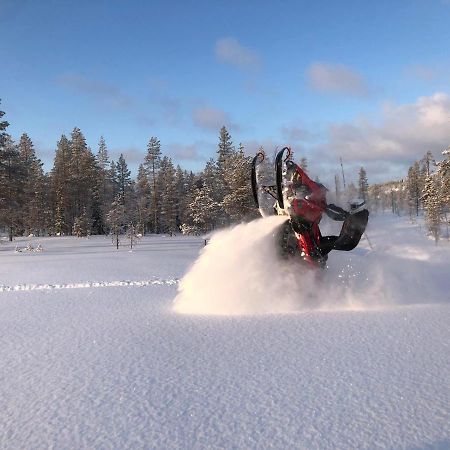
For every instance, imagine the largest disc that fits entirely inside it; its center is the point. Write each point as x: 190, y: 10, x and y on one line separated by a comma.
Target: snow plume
x: 239, y: 272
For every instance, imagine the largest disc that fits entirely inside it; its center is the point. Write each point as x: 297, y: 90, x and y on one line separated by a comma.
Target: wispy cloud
x: 107, y: 96
x: 230, y: 51
x: 212, y: 119
x: 171, y: 109
x: 105, y: 92
x: 336, y: 79
x: 295, y: 133
x: 133, y: 155
x: 422, y: 72
x: 186, y: 152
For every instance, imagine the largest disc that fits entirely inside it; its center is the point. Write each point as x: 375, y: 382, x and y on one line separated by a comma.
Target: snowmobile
x: 285, y: 189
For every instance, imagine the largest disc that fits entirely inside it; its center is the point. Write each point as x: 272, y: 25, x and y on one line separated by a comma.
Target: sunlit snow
x: 95, y: 353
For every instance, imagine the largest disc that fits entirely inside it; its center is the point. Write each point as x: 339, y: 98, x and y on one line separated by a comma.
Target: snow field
x: 116, y: 367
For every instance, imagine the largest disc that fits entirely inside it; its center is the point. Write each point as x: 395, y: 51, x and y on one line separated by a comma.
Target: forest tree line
x: 425, y: 190
x: 86, y: 193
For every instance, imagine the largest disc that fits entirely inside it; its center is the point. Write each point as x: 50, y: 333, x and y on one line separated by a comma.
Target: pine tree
x: 426, y: 162
x: 444, y: 173
x: 363, y: 185
x: 81, y: 225
x: 3, y: 126
x: 123, y: 178
x: 34, y: 198
x: 202, y: 210
x: 152, y: 164
x: 187, y: 194
x: 180, y: 196
x: 61, y: 188
x: 166, y: 188
x: 116, y: 218
x: 225, y: 149
x: 220, y: 189
x: 375, y: 196
x: 97, y: 215
x: 413, y: 186
x: 143, y: 195
x: 113, y: 181
x: 104, y: 184
x: 432, y: 206
x: 11, y: 186
x: 102, y: 154
x: 238, y: 203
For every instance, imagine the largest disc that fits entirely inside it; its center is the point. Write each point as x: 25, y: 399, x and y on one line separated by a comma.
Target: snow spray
x: 240, y: 272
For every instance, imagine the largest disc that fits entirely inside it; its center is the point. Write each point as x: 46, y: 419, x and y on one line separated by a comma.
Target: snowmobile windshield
x: 291, y: 170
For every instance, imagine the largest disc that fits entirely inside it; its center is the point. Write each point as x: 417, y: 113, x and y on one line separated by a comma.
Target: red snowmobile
x: 287, y: 190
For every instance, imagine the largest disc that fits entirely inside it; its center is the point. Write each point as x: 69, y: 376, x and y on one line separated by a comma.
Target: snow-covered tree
x: 363, y: 184
x: 202, y: 211
x: 143, y: 196
x: 60, y: 187
x: 432, y: 205
x: 444, y: 174
x: 11, y: 186
x: 152, y: 163
x: 35, y: 199
x: 225, y: 149
x: 238, y: 202
x: 425, y: 163
x: 413, y: 184
x: 102, y: 154
x: 168, y: 201
x: 123, y: 178
x: 81, y: 225
x: 116, y: 218
x: 3, y: 126
x: 104, y: 182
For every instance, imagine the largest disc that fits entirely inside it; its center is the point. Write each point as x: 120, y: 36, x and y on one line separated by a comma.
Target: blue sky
x: 368, y: 81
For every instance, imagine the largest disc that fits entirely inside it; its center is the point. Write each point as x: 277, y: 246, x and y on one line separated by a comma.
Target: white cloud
x: 336, y: 79
x: 389, y: 147
x: 229, y: 50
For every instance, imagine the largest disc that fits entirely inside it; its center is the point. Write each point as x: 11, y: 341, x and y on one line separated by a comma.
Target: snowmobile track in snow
x: 89, y: 284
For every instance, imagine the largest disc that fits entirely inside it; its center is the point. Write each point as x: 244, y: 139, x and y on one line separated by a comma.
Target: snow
x: 97, y: 353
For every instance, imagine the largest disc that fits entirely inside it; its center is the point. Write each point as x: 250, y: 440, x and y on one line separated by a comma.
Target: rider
x: 305, y: 202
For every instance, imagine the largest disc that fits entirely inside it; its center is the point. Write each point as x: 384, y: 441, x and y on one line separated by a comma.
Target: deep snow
x: 110, y: 365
